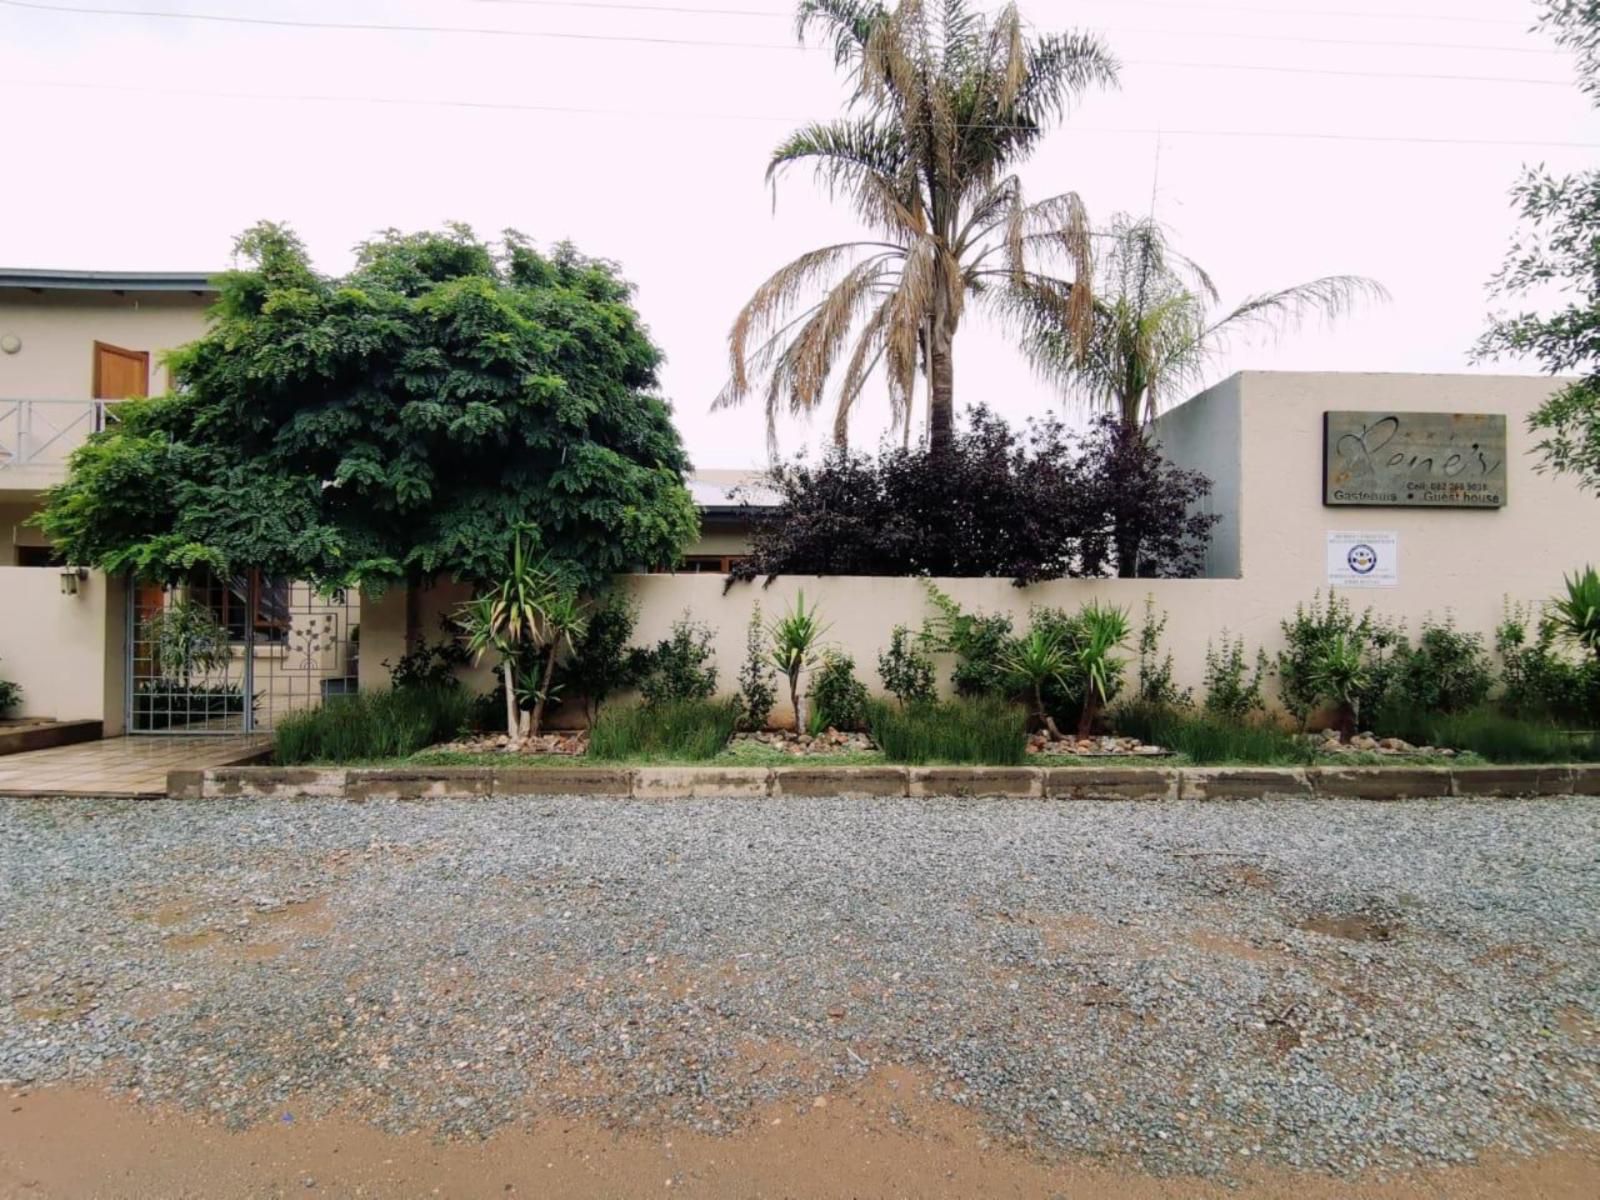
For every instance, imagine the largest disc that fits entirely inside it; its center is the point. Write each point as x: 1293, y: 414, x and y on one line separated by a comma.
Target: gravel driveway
x: 1200, y: 987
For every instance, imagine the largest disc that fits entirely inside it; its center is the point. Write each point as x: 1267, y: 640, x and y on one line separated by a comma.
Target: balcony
x: 37, y: 437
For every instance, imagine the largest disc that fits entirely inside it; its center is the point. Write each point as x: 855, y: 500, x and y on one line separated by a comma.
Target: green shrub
x: 693, y: 730
x: 979, y: 642
x: 1156, y: 685
x: 1538, y: 680
x: 1496, y: 736
x: 431, y: 664
x: 1210, y: 739
x: 601, y: 663
x: 1093, y: 675
x: 1333, y: 657
x: 758, y: 682
x: 906, y: 672
x: 838, y: 698
x: 1445, y: 671
x: 10, y: 696
x: 983, y: 729
x: 1233, y: 690
x: 168, y: 704
x: 372, y: 725
x: 678, y: 668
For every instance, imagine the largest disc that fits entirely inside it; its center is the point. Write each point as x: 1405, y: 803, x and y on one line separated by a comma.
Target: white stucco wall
x: 67, y: 652
x: 1204, y: 435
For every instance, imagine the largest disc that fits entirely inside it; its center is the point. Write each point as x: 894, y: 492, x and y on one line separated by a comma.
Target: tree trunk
x: 942, y: 389
x: 413, y: 610
x: 544, y: 691
x: 1127, y: 542
x: 1091, y: 709
x: 794, y: 700
x: 512, y: 719
x: 1045, y: 718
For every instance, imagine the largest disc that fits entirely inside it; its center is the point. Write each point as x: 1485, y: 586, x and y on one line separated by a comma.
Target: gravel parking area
x: 1191, y: 988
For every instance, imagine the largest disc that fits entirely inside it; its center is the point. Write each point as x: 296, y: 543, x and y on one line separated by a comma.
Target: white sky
x: 669, y: 181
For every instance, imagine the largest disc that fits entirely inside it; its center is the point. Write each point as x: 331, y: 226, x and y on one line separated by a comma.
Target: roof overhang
x: 107, y: 281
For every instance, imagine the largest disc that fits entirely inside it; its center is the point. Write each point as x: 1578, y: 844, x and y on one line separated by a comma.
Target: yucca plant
x: 1093, y: 660
x: 1034, y: 662
x: 796, y: 638
x: 1339, y: 673
x: 1577, y: 614
x: 510, y: 617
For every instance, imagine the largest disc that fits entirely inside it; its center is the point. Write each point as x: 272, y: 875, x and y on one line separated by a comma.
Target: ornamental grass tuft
x: 689, y: 730
x: 986, y: 729
x: 371, y: 725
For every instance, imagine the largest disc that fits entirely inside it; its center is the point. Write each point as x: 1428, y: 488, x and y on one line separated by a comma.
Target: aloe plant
x: 1577, y: 614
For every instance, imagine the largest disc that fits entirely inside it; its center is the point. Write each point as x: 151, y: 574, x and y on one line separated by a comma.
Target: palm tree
x: 510, y: 616
x: 1154, y: 332
x: 946, y: 102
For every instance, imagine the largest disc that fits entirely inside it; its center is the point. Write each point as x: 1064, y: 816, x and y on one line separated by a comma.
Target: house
x: 72, y: 345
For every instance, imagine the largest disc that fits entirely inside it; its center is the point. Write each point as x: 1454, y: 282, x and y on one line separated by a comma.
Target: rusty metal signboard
x: 1414, y: 460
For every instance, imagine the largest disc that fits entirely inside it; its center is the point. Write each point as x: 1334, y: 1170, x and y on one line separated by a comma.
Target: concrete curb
x: 1058, y: 783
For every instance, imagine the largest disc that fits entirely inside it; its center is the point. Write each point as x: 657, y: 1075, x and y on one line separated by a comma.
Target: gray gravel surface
x: 1339, y: 985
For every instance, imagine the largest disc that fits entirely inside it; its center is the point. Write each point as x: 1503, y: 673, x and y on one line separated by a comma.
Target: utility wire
x: 1307, y: 39
x: 771, y: 118
x: 788, y: 14
x: 370, y: 27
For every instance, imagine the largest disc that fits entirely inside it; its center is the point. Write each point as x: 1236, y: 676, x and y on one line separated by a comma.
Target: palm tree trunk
x: 794, y: 700
x: 941, y: 393
x: 512, y: 720
x: 544, y: 691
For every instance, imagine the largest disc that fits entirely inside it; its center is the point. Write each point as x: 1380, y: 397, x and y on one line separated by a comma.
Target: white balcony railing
x: 42, y: 433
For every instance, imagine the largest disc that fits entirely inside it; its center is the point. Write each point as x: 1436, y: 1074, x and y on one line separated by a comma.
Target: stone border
x: 1056, y: 783
x: 49, y: 735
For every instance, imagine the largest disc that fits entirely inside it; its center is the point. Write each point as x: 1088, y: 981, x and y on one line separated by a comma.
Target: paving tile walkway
x: 124, y: 766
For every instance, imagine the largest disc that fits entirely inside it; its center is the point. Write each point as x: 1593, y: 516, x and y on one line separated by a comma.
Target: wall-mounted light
x: 70, y: 578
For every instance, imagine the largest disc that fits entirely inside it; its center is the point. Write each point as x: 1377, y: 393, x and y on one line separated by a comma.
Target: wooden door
x: 120, y: 373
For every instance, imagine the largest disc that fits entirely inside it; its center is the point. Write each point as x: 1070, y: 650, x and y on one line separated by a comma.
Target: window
x: 706, y: 564
x: 229, y: 601
x: 37, y: 556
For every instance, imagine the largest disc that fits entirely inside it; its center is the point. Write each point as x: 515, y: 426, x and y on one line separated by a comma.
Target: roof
x: 730, y: 491
x: 107, y: 281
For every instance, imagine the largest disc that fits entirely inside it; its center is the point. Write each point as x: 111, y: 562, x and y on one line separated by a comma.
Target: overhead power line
x: 1230, y: 35
x: 767, y: 118
x: 1254, y: 10
x: 479, y: 31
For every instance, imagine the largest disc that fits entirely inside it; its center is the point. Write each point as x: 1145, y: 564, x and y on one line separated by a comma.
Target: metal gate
x: 230, y: 655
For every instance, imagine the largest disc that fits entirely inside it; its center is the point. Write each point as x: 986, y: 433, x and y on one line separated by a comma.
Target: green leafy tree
x: 396, y: 424
x: 946, y: 101
x: 838, y: 699
x: 1557, y: 252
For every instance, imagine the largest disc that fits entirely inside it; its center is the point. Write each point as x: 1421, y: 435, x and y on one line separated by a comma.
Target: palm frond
x: 1330, y: 297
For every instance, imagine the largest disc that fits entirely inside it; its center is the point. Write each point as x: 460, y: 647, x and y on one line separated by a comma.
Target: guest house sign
x: 1414, y: 460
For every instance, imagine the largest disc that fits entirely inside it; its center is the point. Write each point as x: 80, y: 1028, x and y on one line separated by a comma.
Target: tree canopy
x: 1154, y: 328
x: 946, y: 101
x: 1558, y: 248
x: 405, y: 421
x: 1030, y: 505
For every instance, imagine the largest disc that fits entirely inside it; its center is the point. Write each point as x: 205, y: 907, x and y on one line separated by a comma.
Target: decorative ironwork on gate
x: 230, y: 655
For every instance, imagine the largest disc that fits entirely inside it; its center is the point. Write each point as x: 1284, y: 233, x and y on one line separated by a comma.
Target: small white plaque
x: 1363, y: 560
